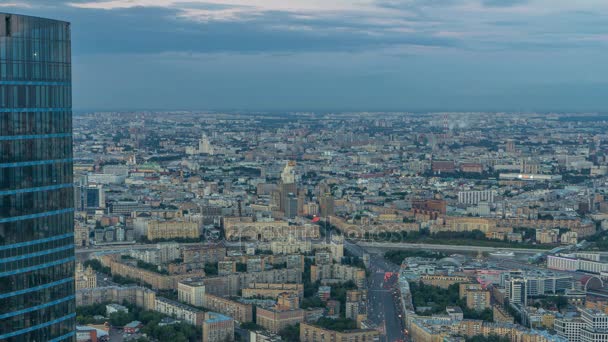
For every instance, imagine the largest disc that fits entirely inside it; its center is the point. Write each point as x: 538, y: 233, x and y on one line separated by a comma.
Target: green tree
x: 120, y: 318
x: 489, y: 338
x: 291, y: 333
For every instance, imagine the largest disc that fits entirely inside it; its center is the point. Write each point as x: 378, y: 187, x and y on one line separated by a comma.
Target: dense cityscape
x: 277, y: 225
x: 368, y: 226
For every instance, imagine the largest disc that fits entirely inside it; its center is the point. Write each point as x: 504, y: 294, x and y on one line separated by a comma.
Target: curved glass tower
x: 36, y: 194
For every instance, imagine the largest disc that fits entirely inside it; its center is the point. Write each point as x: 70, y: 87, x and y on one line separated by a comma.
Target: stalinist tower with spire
x: 287, y: 186
x: 204, y: 146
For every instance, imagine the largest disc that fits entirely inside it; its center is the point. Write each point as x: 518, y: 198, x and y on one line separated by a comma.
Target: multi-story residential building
x: 156, y: 280
x: 312, y: 333
x: 231, y: 284
x: 255, y: 264
x: 569, y: 238
x: 474, y: 197
x: 36, y: 189
x: 478, y: 299
x: 464, y: 288
x: 269, y: 290
x: 217, y: 328
x: 203, y: 253
x: 438, y: 328
x: 443, y: 281
x: 275, y: 320
x: 337, y: 273
x: 354, y: 303
x: 290, y: 245
x: 172, y: 229
x: 180, y: 311
x: 140, y: 296
x: 226, y: 267
x: 537, y: 318
x: 264, y: 336
x: 246, y: 229
x: 191, y: 291
x: 242, y: 313
x: 547, y: 236
x: 464, y: 224
x: 146, y: 255
x: 168, y: 252
x: 500, y: 315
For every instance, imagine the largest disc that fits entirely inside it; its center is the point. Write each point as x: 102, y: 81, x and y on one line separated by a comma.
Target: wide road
x: 382, y: 308
x: 382, y: 302
x: 456, y: 248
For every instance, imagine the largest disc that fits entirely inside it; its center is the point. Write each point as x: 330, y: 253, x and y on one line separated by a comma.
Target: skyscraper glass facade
x: 36, y: 192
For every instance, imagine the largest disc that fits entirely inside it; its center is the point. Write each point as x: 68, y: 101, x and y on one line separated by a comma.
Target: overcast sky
x: 404, y: 55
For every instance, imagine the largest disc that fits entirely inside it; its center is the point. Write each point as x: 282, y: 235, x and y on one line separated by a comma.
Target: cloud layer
x: 382, y: 43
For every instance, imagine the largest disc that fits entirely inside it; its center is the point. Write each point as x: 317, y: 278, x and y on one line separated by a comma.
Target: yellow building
x: 386, y: 223
x: 287, y: 301
x: 597, y: 305
x: 548, y: 320
x: 443, y: 281
x: 576, y: 225
x: 465, y: 224
x: 478, y: 299
x: 155, y: 280
x: 81, y: 235
x: 464, y: 288
x: 501, y: 316
x: 242, y: 313
x: 421, y: 332
x: 275, y: 320
x: 247, y: 229
x: 139, y: 296
x: 86, y: 278
x: 218, y: 328
x: 547, y: 236
x: 311, y: 333
x: 191, y: 292
x: 172, y: 229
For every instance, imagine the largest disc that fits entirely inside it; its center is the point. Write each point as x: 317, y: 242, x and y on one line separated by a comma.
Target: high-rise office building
x: 95, y: 197
x: 291, y: 205
x: 36, y: 190
x: 516, y: 291
x: 326, y: 202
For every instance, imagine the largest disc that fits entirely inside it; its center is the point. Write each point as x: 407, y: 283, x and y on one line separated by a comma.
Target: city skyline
x: 460, y: 55
x: 327, y: 207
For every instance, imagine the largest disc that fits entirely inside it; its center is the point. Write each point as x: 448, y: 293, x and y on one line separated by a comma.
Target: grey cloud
x: 504, y: 3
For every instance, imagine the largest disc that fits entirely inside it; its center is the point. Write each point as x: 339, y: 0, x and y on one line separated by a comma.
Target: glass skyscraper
x: 36, y: 192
